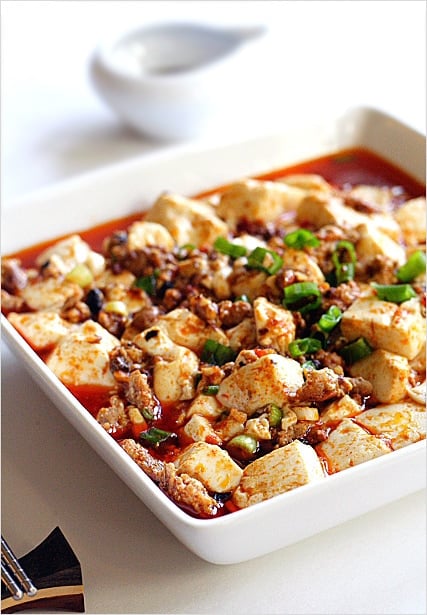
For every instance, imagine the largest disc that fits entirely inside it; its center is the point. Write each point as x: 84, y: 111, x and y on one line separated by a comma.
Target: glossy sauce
x: 342, y: 169
x: 346, y: 167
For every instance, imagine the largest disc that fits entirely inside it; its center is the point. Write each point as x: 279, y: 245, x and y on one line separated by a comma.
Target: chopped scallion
x: 189, y: 247
x: 244, y: 298
x: 265, y: 260
x: 116, y: 307
x: 275, y: 415
x: 155, y: 436
x: 396, y: 293
x: 330, y: 319
x: 80, y: 275
x: 414, y: 266
x: 344, y: 261
x: 302, y: 297
x: 147, y: 283
x: 247, y: 443
x: 217, y: 354
x: 355, y: 351
x: 212, y: 389
x: 308, y: 365
x: 301, y: 238
x: 304, y: 345
x: 185, y: 249
x: 147, y: 414
x: 224, y: 246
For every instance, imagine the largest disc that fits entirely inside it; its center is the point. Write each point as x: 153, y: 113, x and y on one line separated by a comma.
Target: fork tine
x: 15, y: 567
x: 10, y: 583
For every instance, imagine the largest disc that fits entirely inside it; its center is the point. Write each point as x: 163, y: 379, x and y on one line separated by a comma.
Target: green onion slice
x: 244, y: 298
x: 154, y: 435
x: 396, y: 293
x: 302, y: 297
x: 212, y: 389
x: 330, y: 319
x: 355, y: 351
x: 301, y: 238
x: 344, y: 261
x: 217, y: 354
x: 147, y: 414
x: 247, y: 443
x: 185, y: 250
x: 224, y: 246
x: 414, y: 266
x: 265, y: 260
x: 80, y: 275
x: 147, y: 283
x: 275, y: 415
x: 308, y: 365
x: 304, y: 345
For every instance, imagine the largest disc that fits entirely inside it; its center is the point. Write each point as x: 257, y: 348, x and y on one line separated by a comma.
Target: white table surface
x: 322, y: 55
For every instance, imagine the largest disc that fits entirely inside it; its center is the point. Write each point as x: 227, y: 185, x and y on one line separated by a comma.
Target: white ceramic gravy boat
x: 171, y: 80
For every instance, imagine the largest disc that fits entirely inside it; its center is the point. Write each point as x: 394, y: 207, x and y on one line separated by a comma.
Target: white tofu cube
x: 187, y: 220
x: 257, y: 200
x: 275, y: 326
x: 402, y: 423
x: 381, y: 197
x: 396, y: 328
x: 268, y: 380
x: 411, y: 218
x: 242, y: 335
x: 49, y: 294
x: 211, y: 465
x: 348, y: 445
x: 124, y: 279
x: 72, y: 251
x: 259, y: 428
x: 299, y: 260
x: 82, y: 356
x: 217, y: 277
x: 175, y: 366
x: 199, y: 428
x: 306, y: 413
x: 373, y: 242
x: 205, y: 405
x: 187, y: 329
x: 387, y: 372
x: 307, y: 182
x: 250, y: 283
x: 320, y: 209
x: 143, y: 233
x: 344, y: 407
x: 283, y: 469
x: 42, y: 330
x: 418, y: 393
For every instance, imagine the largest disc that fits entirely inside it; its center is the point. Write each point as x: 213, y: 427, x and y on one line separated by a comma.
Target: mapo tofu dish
x: 248, y: 341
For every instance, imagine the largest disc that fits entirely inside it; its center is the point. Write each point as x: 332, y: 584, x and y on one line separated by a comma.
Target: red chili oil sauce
x: 345, y: 168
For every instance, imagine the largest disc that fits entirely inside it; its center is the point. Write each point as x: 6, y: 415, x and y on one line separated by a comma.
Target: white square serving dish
x: 132, y: 186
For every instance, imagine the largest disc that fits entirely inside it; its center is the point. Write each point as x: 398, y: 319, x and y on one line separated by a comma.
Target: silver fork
x: 13, y: 575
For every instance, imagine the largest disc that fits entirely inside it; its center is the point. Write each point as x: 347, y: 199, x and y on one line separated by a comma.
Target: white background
x: 319, y: 55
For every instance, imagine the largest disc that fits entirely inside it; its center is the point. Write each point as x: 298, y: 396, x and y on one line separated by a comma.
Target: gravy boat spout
x: 166, y: 80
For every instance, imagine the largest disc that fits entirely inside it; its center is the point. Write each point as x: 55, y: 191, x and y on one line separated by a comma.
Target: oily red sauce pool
x: 351, y: 167
x: 342, y: 169
x: 346, y: 167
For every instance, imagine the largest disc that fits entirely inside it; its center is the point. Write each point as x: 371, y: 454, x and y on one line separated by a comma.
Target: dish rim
x: 146, y: 490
